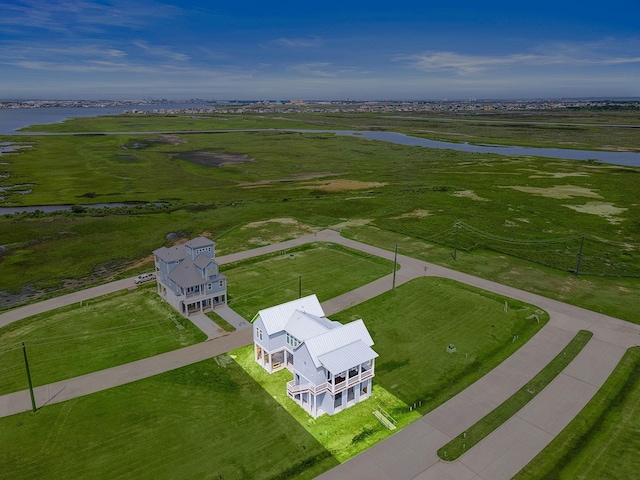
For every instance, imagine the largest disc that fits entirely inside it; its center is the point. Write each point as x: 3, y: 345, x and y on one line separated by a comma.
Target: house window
x: 222, y: 283
x: 293, y: 341
x: 258, y: 333
x: 210, y: 286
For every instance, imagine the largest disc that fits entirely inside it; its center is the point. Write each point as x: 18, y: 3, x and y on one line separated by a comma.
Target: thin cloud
x: 297, y: 42
x: 161, y: 51
x: 588, y: 54
x: 76, y: 15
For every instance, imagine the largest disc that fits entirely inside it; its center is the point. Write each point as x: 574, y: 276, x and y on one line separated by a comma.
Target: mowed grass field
x: 208, y: 420
x: 103, y: 332
x: 413, y: 326
x: 327, y: 270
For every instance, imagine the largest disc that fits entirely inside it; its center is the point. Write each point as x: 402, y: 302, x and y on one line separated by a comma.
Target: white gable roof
x: 349, y: 356
x: 276, y: 318
x: 336, y: 339
x: 305, y: 325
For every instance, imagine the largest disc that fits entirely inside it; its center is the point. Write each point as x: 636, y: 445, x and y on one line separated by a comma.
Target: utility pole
x: 26, y: 363
x: 395, y: 267
x: 455, y: 243
x: 580, y: 256
x: 299, y: 286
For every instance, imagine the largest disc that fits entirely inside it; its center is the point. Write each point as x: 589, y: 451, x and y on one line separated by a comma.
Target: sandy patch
x: 282, y: 221
x: 557, y: 191
x: 510, y: 224
x: 604, y: 210
x: 293, y: 178
x: 523, y: 220
x: 357, y: 222
x: 415, y: 214
x: 471, y: 195
x: 559, y: 174
x: 342, y: 185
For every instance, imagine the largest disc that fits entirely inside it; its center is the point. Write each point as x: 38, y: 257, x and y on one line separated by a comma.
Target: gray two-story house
x: 188, y: 276
x: 332, y: 363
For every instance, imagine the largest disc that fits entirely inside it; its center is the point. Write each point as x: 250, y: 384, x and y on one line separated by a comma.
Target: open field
x: 602, y: 441
x: 104, y: 332
x: 413, y: 326
x: 324, y: 269
x: 319, y: 180
x: 208, y: 420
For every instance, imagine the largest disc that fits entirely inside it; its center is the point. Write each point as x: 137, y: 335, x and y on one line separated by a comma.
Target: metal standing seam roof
x: 275, y: 318
x: 337, y: 338
x: 305, y: 325
x: 344, y: 358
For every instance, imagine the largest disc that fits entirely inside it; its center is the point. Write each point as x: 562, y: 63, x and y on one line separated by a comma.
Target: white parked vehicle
x: 145, y: 277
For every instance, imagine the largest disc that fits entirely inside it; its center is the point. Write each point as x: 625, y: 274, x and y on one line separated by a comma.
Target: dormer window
x: 292, y: 341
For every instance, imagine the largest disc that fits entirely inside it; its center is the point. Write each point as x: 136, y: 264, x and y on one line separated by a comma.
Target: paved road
x: 411, y: 453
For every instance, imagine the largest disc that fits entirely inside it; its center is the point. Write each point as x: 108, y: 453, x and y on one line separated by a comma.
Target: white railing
x: 293, y: 389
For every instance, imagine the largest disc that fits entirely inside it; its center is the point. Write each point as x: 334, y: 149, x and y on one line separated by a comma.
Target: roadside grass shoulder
x: 100, y: 333
x: 602, y: 441
x: 207, y: 420
x: 489, y: 423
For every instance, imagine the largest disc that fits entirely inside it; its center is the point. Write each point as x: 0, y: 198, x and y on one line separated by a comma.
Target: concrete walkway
x: 206, y: 325
x: 226, y: 313
x: 411, y: 453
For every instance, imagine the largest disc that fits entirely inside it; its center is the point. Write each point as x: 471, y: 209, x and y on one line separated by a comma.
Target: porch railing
x: 293, y: 389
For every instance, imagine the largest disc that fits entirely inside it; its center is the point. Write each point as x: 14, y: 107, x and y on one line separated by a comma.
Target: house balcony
x: 293, y: 389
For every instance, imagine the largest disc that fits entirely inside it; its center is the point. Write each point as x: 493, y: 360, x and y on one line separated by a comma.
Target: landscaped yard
x: 208, y: 420
x: 104, y: 332
x: 413, y: 326
x: 328, y: 270
x: 345, y: 434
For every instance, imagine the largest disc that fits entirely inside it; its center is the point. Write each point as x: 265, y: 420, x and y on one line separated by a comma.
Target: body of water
x: 631, y: 159
x: 12, y: 119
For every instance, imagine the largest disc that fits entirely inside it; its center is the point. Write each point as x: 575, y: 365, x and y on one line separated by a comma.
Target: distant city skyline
x: 115, y: 49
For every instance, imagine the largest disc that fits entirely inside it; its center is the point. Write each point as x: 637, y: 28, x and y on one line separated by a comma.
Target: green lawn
x: 104, y: 332
x: 345, y: 434
x: 602, y: 442
x: 413, y: 326
x: 208, y: 420
x: 328, y: 270
x: 518, y: 400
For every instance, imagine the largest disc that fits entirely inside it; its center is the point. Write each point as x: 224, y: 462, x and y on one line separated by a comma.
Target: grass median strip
x: 602, y: 441
x: 490, y: 422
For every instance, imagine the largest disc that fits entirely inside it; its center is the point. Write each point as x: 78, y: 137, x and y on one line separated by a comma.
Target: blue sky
x: 130, y: 49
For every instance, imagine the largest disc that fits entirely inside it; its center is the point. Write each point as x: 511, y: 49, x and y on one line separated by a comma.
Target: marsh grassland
x: 567, y: 230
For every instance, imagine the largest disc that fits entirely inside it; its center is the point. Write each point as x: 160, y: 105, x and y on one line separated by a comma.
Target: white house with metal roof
x: 189, y: 277
x: 332, y: 363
